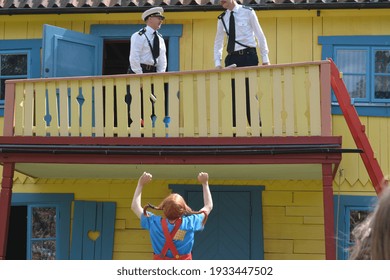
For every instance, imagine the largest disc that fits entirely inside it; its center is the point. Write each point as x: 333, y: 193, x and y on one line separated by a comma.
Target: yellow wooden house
x: 289, y: 187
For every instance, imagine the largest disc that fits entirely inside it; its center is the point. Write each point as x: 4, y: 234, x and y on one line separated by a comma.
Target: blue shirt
x: 185, y: 234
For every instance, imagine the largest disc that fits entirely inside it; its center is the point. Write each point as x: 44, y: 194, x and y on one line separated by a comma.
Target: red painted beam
x: 330, y: 241
x: 171, y: 141
x: 5, y: 206
x: 170, y: 159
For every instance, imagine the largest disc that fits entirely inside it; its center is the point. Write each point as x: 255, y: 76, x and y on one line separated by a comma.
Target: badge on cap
x: 155, y: 11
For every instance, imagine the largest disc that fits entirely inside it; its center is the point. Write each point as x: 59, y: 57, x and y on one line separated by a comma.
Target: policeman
x: 148, y: 55
x: 242, y: 28
x: 245, y: 30
x: 147, y: 47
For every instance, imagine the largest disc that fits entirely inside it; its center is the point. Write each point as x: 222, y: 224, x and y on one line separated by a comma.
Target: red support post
x: 5, y: 206
x: 330, y: 241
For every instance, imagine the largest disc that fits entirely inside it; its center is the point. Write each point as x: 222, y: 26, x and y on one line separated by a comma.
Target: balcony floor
x: 164, y: 172
x: 174, y: 158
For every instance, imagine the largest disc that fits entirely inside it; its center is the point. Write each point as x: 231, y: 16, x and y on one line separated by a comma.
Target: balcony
x: 285, y: 100
x: 78, y: 127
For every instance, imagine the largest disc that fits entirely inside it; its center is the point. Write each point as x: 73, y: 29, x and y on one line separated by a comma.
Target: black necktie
x: 156, y: 45
x: 232, y: 34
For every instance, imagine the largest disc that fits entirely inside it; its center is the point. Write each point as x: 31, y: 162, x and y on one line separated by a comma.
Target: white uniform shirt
x: 140, y: 52
x: 247, y: 30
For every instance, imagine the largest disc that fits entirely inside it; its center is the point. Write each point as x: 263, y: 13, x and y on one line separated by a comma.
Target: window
x: 353, y: 64
x: 354, y: 216
x: 12, y: 66
x: 42, y: 240
x: 349, y: 212
x: 365, y: 64
x: 39, y: 227
x: 18, y: 62
x: 381, y: 73
x: 366, y: 72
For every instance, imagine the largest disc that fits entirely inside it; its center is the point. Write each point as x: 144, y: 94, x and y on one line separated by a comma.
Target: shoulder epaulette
x: 247, y: 7
x: 142, y: 31
x: 221, y: 15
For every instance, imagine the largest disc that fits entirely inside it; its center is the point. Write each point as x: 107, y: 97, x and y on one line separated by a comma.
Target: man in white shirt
x: 247, y: 31
x: 144, y: 56
x: 148, y: 55
x: 242, y: 28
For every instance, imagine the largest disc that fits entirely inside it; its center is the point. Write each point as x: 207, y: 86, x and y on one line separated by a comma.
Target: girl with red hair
x: 172, y: 236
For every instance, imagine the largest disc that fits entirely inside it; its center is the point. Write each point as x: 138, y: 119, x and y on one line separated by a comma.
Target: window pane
x: 353, y: 64
x: 43, y: 250
x: 356, y: 85
x: 382, y: 87
x: 352, y: 61
x: 382, y: 61
x: 13, y: 64
x: 2, y: 88
x: 355, y: 218
x: 44, y: 222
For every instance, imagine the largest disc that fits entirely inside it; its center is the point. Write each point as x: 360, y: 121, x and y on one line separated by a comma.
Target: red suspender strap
x: 169, y: 238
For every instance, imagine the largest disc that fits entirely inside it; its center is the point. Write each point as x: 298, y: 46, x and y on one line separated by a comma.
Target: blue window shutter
x: 93, y: 230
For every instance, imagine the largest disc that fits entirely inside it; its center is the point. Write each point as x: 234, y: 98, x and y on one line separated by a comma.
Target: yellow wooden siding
x: 2, y: 26
x: 279, y: 246
x: 291, y: 37
x: 352, y: 175
x: 293, y: 220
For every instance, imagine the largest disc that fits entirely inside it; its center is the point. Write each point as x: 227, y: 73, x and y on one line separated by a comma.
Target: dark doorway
x: 116, y: 57
x: 17, y: 235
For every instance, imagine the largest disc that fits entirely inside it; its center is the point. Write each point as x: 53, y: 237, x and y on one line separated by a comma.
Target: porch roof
x: 120, y: 158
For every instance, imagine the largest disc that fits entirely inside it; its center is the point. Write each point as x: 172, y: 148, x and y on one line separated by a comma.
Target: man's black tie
x: 156, y: 46
x: 232, y: 34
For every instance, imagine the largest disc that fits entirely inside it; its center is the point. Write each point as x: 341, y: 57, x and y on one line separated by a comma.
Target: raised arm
x: 136, y: 203
x: 203, y: 178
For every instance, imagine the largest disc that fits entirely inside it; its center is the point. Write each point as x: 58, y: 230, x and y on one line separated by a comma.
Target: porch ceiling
x: 265, y: 158
x: 176, y: 171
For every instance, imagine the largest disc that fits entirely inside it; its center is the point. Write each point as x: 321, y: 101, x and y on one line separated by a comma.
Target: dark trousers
x: 247, y: 57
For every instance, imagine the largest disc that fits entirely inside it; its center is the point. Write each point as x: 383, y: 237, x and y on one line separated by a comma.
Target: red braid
x: 174, y: 207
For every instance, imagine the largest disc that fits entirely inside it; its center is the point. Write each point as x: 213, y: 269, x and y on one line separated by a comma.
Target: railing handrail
x: 180, y: 73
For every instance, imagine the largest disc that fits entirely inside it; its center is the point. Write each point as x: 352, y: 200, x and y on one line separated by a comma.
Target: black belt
x: 244, y: 51
x: 149, y: 68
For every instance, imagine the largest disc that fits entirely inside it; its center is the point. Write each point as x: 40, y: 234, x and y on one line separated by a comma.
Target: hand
x: 203, y: 177
x: 145, y: 178
x: 266, y: 63
x: 231, y: 66
x: 219, y: 67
